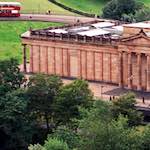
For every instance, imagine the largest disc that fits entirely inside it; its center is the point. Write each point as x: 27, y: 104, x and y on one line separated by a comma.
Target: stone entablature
x: 124, y: 61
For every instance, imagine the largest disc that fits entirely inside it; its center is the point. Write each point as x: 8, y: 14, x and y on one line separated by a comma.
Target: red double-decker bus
x: 10, y: 9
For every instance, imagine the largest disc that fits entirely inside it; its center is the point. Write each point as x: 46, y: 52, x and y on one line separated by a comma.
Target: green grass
x: 90, y: 6
x: 10, y: 44
x: 36, y: 6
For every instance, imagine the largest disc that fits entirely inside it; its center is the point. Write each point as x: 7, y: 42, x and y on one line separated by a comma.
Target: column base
x: 148, y: 90
x: 139, y: 89
x: 121, y: 85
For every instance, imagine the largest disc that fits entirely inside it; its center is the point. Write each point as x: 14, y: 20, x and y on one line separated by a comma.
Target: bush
x: 68, y: 136
x: 55, y: 144
x: 36, y: 147
x: 50, y: 144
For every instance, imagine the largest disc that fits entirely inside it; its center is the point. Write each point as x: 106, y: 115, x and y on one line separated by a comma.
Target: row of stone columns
x: 130, y: 71
x: 31, y: 69
x: 85, y: 64
x: 120, y: 69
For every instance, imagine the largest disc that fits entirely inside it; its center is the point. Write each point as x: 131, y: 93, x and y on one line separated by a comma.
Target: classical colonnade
x: 130, y: 72
x: 87, y: 66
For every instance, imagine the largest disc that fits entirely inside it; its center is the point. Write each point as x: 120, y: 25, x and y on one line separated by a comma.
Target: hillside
x: 39, y: 6
x: 90, y: 6
x: 10, y: 44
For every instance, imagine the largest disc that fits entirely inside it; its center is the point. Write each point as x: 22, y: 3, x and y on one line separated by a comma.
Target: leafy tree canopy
x: 125, y: 105
x: 10, y: 76
x: 70, y: 98
x: 42, y: 90
x: 122, y: 9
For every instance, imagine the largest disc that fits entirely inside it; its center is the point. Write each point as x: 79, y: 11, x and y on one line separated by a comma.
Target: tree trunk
x: 47, y: 121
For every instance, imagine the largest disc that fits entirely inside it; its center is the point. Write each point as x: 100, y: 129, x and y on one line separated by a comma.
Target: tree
x: 67, y: 135
x: 125, y: 105
x: 146, y: 138
x: 116, y: 9
x: 50, y: 144
x: 143, y: 14
x: 100, y: 131
x: 42, y: 90
x: 70, y: 98
x: 16, y: 124
x: 55, y: 144
x: 10, y: 76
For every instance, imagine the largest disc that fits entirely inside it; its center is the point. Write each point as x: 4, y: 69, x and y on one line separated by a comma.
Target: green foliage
x: 50, y: 144
x: 16, y: 125
x: 10, y: 76
x: 36, y: 147
x: 67, y: 135
x: 143, y: 14
x: 145, y: 136
x: 55, y: 144
x: 98, y: 133
x: 125, y: 105
x: 70, y: 98
x: 121, y: 9
x: 42, y: 90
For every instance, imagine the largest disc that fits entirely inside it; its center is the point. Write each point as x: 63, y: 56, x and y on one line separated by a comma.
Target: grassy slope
x: 90, y: 6
x: 10, y: 44
x: 39, y: 6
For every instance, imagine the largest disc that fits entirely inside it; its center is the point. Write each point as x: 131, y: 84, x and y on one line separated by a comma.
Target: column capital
x: 147, y: 55
x: 138, y: 54
x: 120, y: 52
x: 24, y: 44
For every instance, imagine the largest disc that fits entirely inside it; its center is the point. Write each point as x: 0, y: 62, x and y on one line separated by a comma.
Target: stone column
x: 62, y: 62
x: 120, y: 69
x: 54, y: 59
x: 148, y: 74
x: 79, y: 64
x: 24, y: 58
x: 47, y: 59
x: 129, y: 71
x: 139, y: 86
x: 93, y: 53
x: 31, y: 58
x: 110, y: 67
x: 68, y: 63
x: 86, y: 71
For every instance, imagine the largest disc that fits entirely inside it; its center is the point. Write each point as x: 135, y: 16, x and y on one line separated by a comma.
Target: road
x: 48, y: 18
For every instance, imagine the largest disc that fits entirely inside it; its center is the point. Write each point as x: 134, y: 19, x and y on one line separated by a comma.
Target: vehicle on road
x: 10, y: 9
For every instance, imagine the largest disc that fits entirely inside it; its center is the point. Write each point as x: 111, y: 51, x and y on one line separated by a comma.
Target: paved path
x: 105, y: 91
x: 48, y: 18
